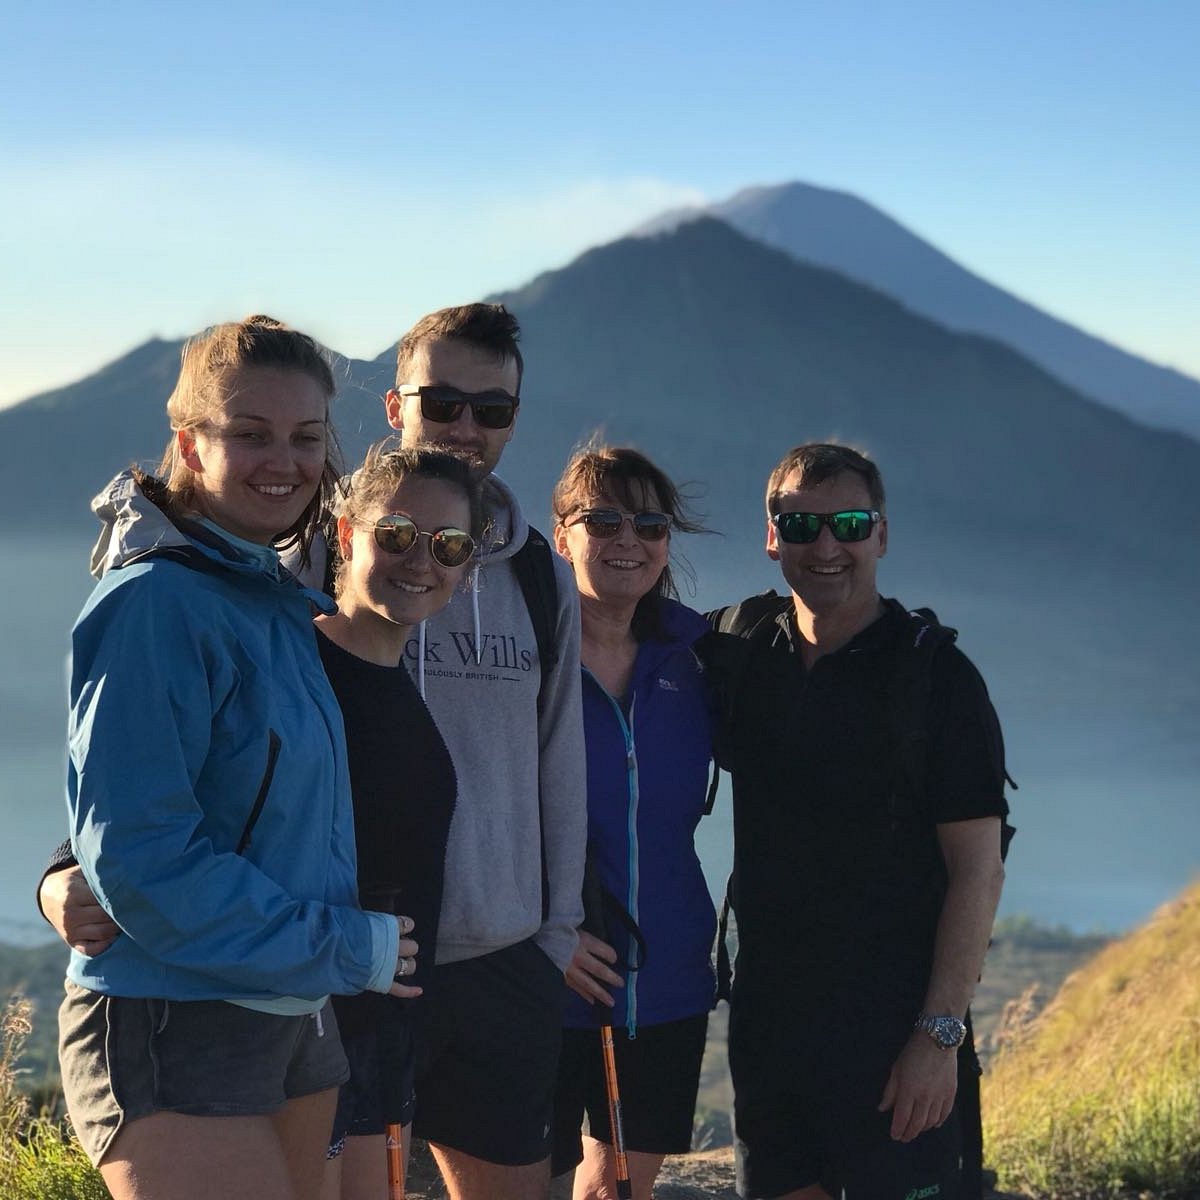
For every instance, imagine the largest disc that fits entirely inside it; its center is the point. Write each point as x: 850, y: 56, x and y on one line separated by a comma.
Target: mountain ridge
x: 840, y: 230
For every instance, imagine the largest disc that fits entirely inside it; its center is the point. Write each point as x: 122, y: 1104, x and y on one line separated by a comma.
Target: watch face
x: 948, y: 1032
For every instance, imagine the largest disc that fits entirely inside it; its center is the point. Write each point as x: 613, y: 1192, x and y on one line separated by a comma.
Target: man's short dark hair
x: 817, y: 462
x: 488, y: 327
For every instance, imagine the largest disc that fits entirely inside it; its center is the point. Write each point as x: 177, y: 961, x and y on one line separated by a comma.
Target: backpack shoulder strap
x: 534, y: 568
x: 908, y: 694
x: 745, y: 619
x: 533, y: 565
x: 726, y: 652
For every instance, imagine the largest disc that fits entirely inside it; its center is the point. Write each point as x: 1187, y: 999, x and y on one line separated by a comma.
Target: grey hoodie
x: 485, y: 701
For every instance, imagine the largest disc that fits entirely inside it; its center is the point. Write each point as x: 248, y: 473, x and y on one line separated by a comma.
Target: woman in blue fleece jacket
x: 648, y: 734
x: 209, y: 798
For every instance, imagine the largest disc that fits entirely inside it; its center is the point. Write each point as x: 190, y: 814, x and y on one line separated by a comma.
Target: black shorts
x: 658, y: 1075
x: 382, y: 1057
x: 488, y: 1033
x: 806, y: 1113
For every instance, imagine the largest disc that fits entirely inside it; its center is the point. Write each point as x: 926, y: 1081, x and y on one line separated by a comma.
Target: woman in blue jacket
x: 648, y: 734
x: 209, y: 799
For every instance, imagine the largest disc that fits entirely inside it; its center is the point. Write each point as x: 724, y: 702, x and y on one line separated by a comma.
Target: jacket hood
x: 133, y: 527
x: 130, y: 525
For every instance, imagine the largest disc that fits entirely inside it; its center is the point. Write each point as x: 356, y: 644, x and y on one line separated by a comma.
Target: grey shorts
x: 122, y: 1059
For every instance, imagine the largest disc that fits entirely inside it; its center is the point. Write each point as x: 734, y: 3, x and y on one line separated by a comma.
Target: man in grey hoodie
x: 489, y: 1041
x: 492, y: 1013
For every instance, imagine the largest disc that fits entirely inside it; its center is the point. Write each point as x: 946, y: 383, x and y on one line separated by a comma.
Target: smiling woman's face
x: 618, y: 570
x: 403, y: 589
x: 258, y: 456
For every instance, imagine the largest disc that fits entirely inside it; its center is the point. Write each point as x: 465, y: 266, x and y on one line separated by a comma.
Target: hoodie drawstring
x: 475, y: 611
x: 421, y: 659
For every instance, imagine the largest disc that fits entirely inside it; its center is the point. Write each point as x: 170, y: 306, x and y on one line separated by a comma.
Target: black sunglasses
x: 397, y: 534
x: 650, y: 526
x: 444, y: 404
x: 853, y: 525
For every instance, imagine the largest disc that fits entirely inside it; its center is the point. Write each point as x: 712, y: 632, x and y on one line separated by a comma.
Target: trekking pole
x: 594, y: 923
x: 393, y: 1136
x: 384, y: 900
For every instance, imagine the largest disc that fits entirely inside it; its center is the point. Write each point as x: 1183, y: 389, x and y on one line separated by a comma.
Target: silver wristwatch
x: 948, y: 1033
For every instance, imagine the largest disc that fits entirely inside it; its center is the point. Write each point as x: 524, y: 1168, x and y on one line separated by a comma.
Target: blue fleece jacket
x: 207, y: 784
x: 648, y: 769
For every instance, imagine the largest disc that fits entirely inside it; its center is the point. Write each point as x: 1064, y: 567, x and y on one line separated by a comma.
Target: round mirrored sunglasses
x: 396, y: 533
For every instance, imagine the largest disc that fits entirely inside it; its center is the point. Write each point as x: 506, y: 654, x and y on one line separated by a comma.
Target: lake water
x: 43, y: 582
x: 1107, y: 820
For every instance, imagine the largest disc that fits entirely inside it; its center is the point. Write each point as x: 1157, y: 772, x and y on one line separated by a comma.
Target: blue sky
x: 164, y: 166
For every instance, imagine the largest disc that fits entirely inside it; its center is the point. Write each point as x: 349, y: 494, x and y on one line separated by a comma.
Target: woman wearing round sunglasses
x: 406, y: 535
x: 648, y: 735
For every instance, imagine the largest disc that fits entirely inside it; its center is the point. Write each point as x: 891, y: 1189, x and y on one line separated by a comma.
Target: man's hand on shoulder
x: 920, y: 1089
x: 70, y: 906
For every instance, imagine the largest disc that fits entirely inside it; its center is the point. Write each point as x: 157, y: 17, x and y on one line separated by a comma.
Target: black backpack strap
x: 534, y: 568
x: 710, y: 797
x: 909, y: 690
x: 533, y: 565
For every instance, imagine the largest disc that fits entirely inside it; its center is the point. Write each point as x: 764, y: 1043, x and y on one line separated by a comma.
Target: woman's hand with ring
x: 406, y: 961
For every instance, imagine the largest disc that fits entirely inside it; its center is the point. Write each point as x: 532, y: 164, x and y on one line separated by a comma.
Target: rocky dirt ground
x: 702, y: 1175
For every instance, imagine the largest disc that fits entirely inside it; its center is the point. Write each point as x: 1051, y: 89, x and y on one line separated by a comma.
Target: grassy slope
x: 1099, y: 1095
